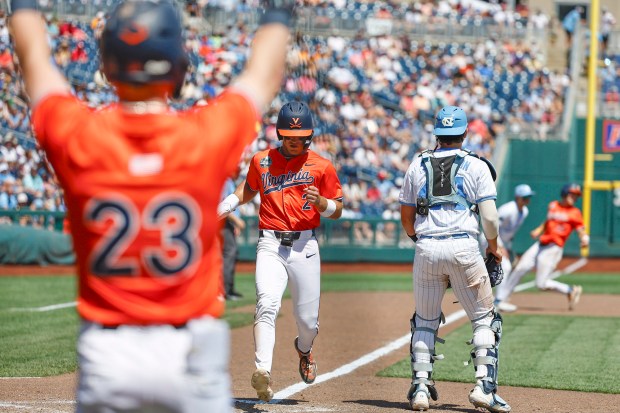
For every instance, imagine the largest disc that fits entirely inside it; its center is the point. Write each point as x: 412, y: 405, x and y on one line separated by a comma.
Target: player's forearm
x: 490, y: 221
x: 407, y: 218
x: 329, y: 208
x: 30, y: 38
x: 265, y: 69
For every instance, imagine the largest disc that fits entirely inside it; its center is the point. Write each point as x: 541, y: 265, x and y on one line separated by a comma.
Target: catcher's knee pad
x: 486, y: 340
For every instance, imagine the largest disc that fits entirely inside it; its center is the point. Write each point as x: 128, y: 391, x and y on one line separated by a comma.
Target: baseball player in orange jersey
x: 296, y: 187
x: 442, y: 190
x: 144, y: 227
x: 562, y: 218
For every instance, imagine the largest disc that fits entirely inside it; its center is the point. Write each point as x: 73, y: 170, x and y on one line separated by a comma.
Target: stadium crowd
x: 374, y: 98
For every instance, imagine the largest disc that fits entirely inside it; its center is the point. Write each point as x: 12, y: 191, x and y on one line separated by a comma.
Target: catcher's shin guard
x: 491, y: 359
x: 423, y: 356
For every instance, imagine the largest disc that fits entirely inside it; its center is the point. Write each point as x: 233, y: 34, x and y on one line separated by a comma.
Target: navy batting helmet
x: 572, y: 188
x: 295, y: 119
x: 142, y: 44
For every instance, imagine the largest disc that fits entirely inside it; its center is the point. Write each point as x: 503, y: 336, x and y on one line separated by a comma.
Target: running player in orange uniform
x: 296, y: 187
x: 144, y: 226
x: 562, y: 218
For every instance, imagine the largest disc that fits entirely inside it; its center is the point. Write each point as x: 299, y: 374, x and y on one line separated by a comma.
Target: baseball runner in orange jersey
x: 297, y: 187
x: 144, y: 227
x: 562, y: 218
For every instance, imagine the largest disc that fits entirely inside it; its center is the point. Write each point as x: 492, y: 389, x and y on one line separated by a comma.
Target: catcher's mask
x: 142, y: 44
x: 295, y: 119
x: 572, y: 188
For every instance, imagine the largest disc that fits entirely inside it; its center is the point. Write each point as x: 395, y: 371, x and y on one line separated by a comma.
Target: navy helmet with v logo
x: 295, y: 120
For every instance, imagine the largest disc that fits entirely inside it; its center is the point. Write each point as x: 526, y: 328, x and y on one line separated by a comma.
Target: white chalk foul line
x: 350, y: 367
x: 45, y: 308
x: 394, y: 345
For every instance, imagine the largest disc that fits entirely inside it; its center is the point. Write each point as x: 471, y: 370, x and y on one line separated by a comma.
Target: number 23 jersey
x: 142, y: 192
x: 281, y: 183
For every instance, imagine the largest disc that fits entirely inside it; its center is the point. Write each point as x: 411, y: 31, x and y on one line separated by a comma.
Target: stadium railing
x: 343, y: 240
x: 44, y: 219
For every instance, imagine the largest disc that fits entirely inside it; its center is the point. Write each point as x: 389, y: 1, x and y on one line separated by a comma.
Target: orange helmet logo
x: 295, y: 123
x: 134, y: 34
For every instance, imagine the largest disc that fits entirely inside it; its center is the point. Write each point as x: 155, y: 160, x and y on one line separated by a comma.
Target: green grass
x: 553, y: 352
x: 43, y: 343
x: 37, y: 343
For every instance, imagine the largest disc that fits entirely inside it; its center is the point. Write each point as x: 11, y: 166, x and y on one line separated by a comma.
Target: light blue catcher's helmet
x: 450, y: 121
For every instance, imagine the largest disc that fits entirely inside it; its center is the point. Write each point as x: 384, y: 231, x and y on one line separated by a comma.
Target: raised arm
x: 29, y: 33
x: 262, y: 77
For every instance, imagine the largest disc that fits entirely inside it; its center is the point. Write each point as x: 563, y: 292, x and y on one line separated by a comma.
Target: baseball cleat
x: 506, y: 307
x: 419, y: 399
x: 573, y: 296
x: 261, y: 381
x: 307, y: 365
x: 492, y: 402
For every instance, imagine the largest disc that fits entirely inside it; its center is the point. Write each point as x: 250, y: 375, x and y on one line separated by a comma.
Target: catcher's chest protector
x: 441, y: 179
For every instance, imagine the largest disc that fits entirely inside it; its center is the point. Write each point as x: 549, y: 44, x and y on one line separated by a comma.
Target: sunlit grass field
x: 42, y: 343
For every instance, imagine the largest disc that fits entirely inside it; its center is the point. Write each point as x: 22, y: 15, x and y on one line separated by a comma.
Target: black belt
x: 114, y: 327
x: 286, y: 237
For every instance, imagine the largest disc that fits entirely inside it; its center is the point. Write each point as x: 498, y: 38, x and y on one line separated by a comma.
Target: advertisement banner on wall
x: 611, y: 136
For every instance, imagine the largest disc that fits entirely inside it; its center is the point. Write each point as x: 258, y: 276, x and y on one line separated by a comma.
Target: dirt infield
x: 353, y: 325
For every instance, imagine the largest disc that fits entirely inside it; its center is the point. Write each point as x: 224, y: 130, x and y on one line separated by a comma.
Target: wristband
x: 23, y: 5
x: 227, y: 205
x: 329, y: 211
x: 270, y: 16
x: 413, y: 237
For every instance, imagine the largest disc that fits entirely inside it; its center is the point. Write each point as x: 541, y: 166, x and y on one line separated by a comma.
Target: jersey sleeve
x: 407, y: 194
x: 253, y: 178
x: 56, y: 118
x: 577, y: 219
x: 330, y: 184
x: 231, y: 122
x: 485, y: 185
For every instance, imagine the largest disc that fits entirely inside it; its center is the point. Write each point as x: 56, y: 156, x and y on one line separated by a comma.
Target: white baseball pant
x: 545, y: 258
x: 154, y: 368
x: 457, y: 260
x: 276, y: 265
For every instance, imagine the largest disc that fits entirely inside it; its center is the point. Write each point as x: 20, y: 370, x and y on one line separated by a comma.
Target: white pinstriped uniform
x: 448, y: 250
x: 510, y: 220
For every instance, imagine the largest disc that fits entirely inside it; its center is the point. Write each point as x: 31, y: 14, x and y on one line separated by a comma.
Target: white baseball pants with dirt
x: 277, y: 265
x: 154, y: 368
x: 545, y: 258
x: 458, y: 260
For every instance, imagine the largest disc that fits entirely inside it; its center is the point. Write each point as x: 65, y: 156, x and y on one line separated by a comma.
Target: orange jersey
x: 142, y: 192
x: 561, y: 221
x: 281, y: 184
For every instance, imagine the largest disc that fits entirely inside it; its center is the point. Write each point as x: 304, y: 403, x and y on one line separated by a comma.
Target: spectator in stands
x: 78, y: 54
x: 6, y: 58
x: 16, y: 118
x: 608, y: 21
x: 62, y: 54
x: 571, y: 21
x: 8, y: 198
x: 539, y: 22
x: 33, y: 183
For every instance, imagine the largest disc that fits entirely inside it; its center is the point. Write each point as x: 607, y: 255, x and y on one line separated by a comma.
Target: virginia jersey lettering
x: 281, y: 183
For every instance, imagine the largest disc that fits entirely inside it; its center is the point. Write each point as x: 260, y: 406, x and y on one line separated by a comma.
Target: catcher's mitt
x: 494, y: 268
